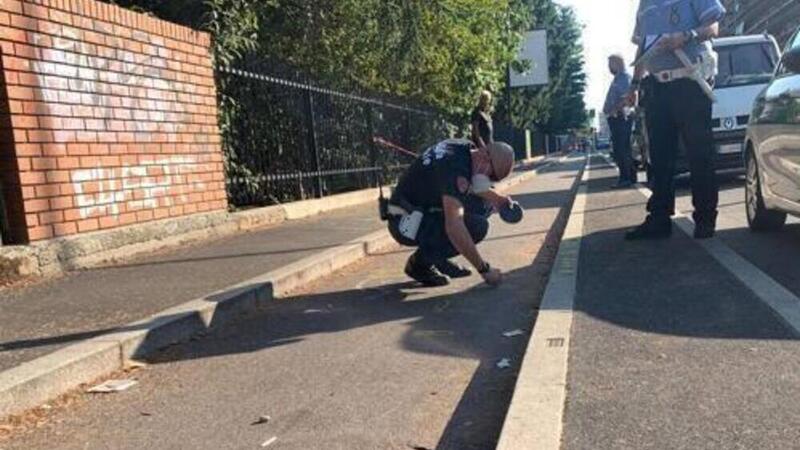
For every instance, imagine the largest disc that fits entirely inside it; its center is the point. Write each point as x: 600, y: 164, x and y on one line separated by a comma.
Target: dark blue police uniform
x: 444, y: 169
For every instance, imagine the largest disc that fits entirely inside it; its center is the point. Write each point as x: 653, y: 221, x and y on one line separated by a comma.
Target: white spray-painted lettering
x: 119, y: 185
x: 100, y: 80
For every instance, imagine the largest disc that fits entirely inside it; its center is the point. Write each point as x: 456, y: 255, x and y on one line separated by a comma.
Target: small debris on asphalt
x: 513, y: 333
x: 418, y: 447
x: 112, y: 386
x: 314, y: 311
x: 129, y: 365
x: 433, y: 333
x: 145, y: 414
x: 504, y: 363
x: 269, y: 441
x: 442, y: 306
x: 262, y: 420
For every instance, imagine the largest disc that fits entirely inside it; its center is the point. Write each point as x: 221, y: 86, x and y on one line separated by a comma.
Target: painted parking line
x: 535, y: 416
x: 782, y: 301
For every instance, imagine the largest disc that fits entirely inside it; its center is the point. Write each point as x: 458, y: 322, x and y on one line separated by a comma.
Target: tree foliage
x: 441, y: 53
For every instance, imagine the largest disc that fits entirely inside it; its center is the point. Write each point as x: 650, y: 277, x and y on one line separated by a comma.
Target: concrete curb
x: 92, y: 249
x: 35, y: 382
x: 535, y: 416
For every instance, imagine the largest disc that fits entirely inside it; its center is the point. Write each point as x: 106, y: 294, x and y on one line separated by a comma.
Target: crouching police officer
x: 677, y: 32
x: 442, y: 205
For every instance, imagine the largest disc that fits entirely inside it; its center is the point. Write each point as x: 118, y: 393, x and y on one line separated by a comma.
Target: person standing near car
x: 679, y: 108
x: 481, y: 120
x: 619, y: 121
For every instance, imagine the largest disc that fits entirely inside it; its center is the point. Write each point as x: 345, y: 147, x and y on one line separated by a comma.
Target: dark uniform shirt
x: 444, y: 169
x: 485, y: 126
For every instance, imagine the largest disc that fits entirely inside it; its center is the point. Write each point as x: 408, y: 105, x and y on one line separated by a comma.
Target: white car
x: 746, y: 66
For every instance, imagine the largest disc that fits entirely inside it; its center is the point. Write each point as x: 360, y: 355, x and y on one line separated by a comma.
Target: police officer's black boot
x: 425, y: 273
x: 705, y: 225
x: 653, y: 228
x: 452, y: 269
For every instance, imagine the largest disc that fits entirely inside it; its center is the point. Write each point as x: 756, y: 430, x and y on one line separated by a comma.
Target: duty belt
x: 666, y: 76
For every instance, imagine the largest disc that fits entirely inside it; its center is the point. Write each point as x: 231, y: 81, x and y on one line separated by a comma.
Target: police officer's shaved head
x: 502, y: 157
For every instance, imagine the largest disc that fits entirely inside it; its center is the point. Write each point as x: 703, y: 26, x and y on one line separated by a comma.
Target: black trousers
x: 681, y: 110
x: 433, y: 244
x: 621, y: 129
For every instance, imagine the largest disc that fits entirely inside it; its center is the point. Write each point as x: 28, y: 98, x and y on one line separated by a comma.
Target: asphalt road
x: 362, y: 360
x: 670, y: 350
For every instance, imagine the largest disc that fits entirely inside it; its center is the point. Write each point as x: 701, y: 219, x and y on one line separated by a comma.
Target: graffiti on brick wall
x: 103, y: 81
x: 101, y: 191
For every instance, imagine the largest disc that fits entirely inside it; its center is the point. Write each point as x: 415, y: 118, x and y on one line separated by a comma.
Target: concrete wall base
x: 55, y: 256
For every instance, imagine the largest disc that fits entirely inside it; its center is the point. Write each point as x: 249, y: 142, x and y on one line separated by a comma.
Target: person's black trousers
x: 433, y: 244
x: 621, y: 129
x: 680, y: 109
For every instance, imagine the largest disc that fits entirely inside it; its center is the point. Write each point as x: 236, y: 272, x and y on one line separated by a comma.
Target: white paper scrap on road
x: 513, y: 333
x: 269, y: 441
x: 314, y: 311
x: 504, y: 363
x: 110, y: 386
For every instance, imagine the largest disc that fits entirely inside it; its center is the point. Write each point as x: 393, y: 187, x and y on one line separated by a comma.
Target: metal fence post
x: 373, y: 151
x: 408, y: 129
x: 312, y: 142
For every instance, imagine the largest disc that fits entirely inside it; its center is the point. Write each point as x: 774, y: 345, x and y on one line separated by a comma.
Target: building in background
x: 779, y: 18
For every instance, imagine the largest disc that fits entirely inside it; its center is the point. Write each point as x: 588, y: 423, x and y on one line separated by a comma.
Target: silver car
x: 772, y: 147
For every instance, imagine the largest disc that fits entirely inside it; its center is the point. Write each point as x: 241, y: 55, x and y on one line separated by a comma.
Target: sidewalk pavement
x: 669, y: 349
x: 44, y: 317
x: 362, y: 359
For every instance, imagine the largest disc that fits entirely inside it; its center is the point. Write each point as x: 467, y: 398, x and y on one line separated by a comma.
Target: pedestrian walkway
x: 46, y: 316
x: 364, y: 359
x: 669, y: 349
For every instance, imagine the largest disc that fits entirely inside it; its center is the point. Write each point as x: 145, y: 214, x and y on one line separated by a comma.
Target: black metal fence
x: 287, y: 141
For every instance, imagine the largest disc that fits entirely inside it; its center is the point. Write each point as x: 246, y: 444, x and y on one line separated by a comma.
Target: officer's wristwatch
x: 485, y: 268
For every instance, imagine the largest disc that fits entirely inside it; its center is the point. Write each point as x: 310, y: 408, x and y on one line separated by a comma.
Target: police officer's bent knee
x: 442, y: 206
x: 677, y: 32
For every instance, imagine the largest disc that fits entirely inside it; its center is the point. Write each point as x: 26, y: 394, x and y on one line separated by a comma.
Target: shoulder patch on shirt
x: 462, y: 184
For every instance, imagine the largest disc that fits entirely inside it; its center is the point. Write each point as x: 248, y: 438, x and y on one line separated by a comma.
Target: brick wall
x: 108, y: 119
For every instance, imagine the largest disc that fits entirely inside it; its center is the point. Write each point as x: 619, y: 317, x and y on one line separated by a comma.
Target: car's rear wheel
x: 758, y: 216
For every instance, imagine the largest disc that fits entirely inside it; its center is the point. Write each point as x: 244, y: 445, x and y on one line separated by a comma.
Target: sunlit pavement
x: 364, y: 359
x: 672, y: 349
x: 675, y: 344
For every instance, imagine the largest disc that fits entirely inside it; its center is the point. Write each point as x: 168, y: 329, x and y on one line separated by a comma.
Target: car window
x: 793, y: 44
x: 795, y: 41
x: 746, y: 64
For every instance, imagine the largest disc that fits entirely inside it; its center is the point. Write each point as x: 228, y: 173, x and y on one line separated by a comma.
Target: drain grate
x: 556, y: 342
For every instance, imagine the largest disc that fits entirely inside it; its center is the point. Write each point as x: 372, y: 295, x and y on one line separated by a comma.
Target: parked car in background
x: 772, y: 147
x: 746, y: 66
x: 603, y: 143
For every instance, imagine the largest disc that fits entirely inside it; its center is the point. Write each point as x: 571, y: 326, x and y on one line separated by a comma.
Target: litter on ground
x: 504, y: 363
x: 111, y: 386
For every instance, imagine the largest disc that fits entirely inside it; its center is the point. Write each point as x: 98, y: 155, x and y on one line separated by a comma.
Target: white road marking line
x: 782, y: 301
x: 535, y: 416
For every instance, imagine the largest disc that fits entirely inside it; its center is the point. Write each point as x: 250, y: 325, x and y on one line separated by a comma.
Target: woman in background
x: 481, y: 119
